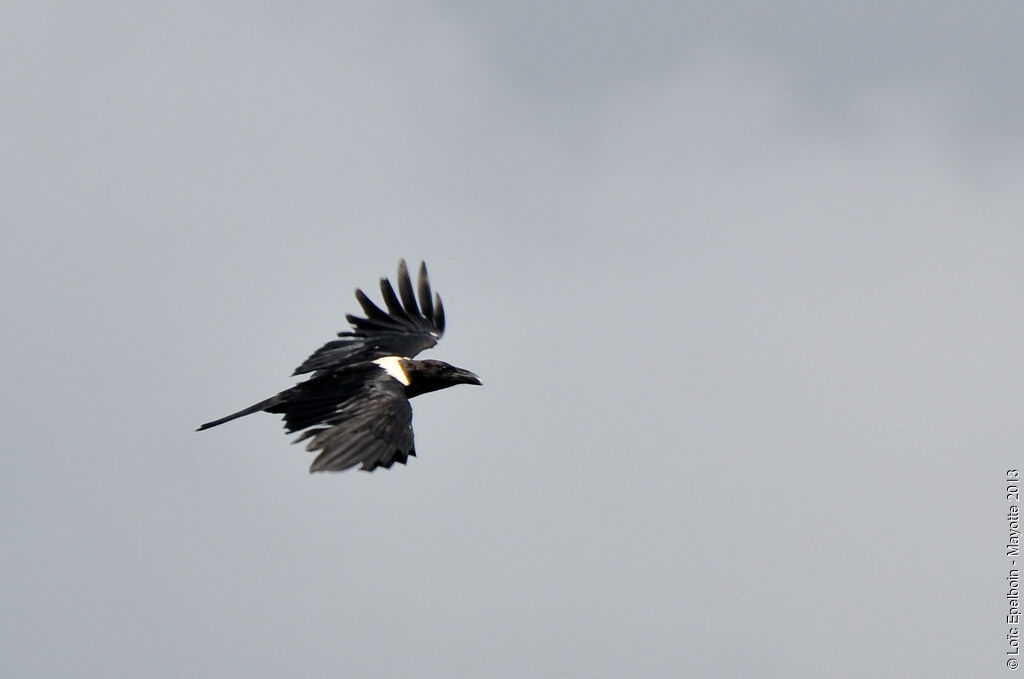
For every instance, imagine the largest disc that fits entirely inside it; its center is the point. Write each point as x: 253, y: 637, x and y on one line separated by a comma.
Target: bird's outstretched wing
x: 353, y: 416
x: 405, y: 329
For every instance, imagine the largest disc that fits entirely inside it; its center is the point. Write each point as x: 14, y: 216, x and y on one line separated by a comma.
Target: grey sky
x: 742, y: 285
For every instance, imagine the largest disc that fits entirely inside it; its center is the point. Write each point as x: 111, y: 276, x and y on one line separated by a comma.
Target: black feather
x: 391, y: 300
x: 405, y: 290
x: 425, y: 303
x: 438, y: 314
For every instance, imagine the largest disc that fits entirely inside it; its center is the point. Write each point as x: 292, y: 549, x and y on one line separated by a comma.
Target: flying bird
x: 354, y: 408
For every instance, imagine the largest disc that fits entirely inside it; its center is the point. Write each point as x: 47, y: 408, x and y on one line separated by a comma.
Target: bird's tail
x: 262, y: 405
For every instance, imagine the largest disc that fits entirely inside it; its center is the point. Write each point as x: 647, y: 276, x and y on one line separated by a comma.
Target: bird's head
x: 426, y: 376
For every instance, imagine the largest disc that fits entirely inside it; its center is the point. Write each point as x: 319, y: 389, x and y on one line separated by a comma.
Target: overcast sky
x: 742, y: 281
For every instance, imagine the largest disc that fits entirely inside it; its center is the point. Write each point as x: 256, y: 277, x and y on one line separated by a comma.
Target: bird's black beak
x: 466, y: 377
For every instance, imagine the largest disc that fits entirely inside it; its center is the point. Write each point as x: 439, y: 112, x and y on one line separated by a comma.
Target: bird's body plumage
x: 354, y: 408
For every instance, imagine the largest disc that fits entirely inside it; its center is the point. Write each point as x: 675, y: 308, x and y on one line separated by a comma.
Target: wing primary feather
x: 405, y: 290
x: 391, y: 299
x: 438, y: 314
x: 373, y: 312
x: 426, y: 306
x: 375, y: 316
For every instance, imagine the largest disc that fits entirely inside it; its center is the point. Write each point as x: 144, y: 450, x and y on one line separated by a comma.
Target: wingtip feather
x: 426, y: 305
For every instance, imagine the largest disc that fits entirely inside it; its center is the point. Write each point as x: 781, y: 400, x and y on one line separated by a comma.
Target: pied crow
x: 354, y: 408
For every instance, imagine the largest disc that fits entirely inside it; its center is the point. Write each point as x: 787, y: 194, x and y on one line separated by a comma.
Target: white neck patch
x: 392, y: 365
